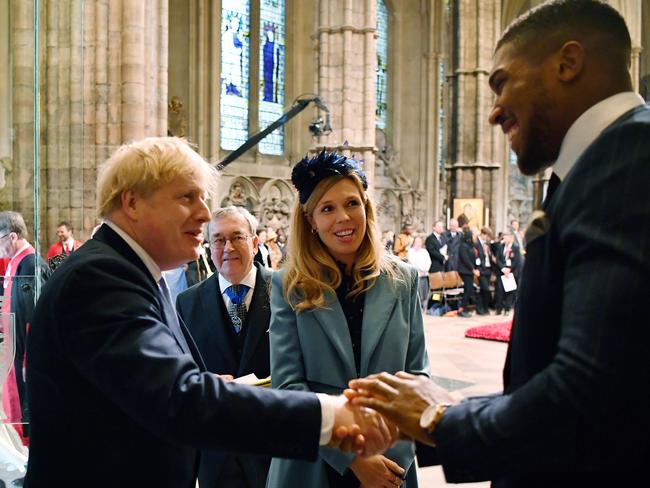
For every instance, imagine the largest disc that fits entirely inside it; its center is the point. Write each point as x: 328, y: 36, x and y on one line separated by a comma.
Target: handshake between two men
x: 384, y: 408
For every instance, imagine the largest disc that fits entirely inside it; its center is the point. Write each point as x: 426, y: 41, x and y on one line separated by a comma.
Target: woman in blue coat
x: 342, y: 308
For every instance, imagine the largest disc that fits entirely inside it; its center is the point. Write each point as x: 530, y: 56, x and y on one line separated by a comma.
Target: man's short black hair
x: 555, y: 22
x: 66, y: 224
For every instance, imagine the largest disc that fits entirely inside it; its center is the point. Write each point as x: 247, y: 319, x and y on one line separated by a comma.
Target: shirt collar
x: 249, y: 280
x: 588, y: 127
x: 148, y: 261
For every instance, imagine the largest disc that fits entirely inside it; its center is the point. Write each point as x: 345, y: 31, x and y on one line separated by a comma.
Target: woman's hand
x: 377, y: 472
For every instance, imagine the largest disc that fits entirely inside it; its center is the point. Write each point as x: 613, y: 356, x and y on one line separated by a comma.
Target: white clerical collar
x: 148, y: 261
x: 588, y: 127
x: 249, y: 280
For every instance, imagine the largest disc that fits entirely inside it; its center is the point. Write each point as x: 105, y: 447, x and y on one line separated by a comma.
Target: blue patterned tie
x: 237, y: 309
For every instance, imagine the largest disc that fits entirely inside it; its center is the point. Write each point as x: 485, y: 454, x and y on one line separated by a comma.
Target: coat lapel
x: 377, y: 310
x: 335, y: 327
x: 108, y: 236
x: 257, y: 322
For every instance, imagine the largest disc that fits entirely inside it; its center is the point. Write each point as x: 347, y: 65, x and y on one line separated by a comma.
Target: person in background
x: 486, y: 265
x: 453, y: 236
x: 263, y: 255
x: 19, y: 289
x: 435, y: 243
x: 275, y: 252
x: 403, y: 242
x: 467, y: 270
x: 341, y: 308
x: 517, y: 234
x: 508, y: 261
x: 419, y: 258
x: 65, y: 245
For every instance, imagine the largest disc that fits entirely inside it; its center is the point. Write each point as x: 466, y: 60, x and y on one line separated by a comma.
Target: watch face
x: 428, y: 416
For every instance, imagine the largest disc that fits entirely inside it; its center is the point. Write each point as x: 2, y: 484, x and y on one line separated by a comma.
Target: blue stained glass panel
x: 235, y: 49
x: 381, y: 110
x: 272, y: 72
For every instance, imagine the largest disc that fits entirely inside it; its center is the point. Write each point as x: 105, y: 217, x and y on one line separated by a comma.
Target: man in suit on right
x: 574, y: 410
x: 434, y: 243
x: 232, y: 337
x: 452, y: 238
x: 509, y: 261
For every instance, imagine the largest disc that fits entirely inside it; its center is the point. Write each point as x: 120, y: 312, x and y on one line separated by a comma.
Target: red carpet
x: 491, y: 332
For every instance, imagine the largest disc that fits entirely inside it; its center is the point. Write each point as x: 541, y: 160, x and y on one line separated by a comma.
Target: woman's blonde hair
x: 311, y: 269
x: 145, y: 165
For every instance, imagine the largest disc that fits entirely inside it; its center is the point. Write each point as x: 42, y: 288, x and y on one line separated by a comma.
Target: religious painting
x: 472, y: 208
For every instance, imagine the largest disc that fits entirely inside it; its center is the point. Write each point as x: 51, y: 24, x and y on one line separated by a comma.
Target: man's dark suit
x: 119, y: 394
x: 484, y: 278
x: 453, y: 247
x: 575, y: 412
x: 433, y: 245
x: 513, y: 260
x: 203, y: 310
x: 259, y: 257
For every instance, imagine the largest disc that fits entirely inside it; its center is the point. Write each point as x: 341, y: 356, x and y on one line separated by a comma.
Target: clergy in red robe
x: 18, y: 302
x: 66, y: 243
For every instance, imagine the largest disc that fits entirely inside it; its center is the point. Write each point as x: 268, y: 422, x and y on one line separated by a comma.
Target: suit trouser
x: 468, y: 289
x: 503, y: 300
x: 484, y: 292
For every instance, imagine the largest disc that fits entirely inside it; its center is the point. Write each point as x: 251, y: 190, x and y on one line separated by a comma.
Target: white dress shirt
x: 588, y: 127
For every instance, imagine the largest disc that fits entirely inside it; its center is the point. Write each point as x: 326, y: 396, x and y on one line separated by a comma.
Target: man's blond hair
x: 145, y: 165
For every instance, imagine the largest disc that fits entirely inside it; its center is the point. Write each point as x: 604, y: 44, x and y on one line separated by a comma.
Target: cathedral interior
x: 399, y: 85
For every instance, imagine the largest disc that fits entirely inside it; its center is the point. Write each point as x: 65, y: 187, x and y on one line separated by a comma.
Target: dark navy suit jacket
x: 119, y: 394
x: 577, y: 382
x: 204, y: 312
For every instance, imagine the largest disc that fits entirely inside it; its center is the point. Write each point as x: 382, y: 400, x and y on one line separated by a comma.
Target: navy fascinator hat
x: 308, y: 172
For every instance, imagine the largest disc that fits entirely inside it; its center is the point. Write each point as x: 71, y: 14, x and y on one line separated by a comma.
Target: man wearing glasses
x: 18, y: 299
x: 228, y: 316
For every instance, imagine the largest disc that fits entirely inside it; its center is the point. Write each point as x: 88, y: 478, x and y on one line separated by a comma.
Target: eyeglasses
x: 236, y: 240
x: 8, y: 233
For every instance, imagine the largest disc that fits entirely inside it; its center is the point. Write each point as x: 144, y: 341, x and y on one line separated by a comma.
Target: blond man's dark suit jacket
x: 119, y: 394
x: 577, y: 386
x: 204, y: 312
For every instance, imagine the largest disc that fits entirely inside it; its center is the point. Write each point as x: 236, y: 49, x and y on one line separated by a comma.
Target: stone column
x: 346, y: 57
x: 632, y: 13
x: 476, y: 150
x: 103, y: 83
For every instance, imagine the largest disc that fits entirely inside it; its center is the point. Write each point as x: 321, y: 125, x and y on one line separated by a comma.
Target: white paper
x: 249, y: 379
x: 443, y: 250
x: 509, y: 282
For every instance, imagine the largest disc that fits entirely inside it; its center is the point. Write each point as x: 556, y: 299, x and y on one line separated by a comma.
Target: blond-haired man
x: 118, y: 391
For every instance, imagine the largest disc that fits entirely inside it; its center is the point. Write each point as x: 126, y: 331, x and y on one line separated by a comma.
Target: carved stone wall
x: 103, y: 73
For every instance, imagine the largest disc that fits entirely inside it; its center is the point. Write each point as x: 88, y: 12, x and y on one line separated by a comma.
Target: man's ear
x: 571, y: 59
x: 130, y: 201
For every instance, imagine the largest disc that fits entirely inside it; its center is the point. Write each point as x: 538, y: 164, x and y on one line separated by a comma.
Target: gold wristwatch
x: 431, y: 416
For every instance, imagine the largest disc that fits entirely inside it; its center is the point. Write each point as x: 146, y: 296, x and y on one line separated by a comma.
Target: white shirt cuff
x: 328, y: 406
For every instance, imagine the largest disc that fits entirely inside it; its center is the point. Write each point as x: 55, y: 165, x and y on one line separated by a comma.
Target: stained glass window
x: 272, y: 64
x: 382, y: 65
x: 235, y: 42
